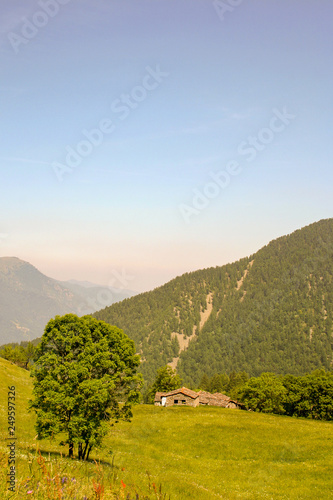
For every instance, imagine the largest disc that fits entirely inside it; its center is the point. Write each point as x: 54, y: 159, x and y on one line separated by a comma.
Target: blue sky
x: 182, y: 93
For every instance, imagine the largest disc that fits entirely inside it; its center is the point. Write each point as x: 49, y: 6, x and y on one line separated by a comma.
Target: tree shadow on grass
x: 59, y: 455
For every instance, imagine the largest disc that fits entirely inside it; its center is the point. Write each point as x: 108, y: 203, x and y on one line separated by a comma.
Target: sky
x: 141, y: 139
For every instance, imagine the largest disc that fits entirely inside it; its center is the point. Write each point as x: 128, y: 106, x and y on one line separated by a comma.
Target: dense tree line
x: 309, y: 396
x: 21, y: 355
x: 229, y: 384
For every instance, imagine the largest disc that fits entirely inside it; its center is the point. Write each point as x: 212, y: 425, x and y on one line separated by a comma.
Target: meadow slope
x: 198, y: 453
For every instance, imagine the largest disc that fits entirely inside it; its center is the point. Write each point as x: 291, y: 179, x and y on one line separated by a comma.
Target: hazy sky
x: 155, y: 137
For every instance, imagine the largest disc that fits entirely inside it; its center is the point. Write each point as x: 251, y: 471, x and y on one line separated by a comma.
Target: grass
x: 211, y: 453
x: 194, y: 453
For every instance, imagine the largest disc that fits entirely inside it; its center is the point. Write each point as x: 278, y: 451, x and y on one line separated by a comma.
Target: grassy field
x: 194, y: 453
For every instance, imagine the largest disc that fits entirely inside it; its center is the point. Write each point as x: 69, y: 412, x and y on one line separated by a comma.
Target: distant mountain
x: 271, y: 311
x: 85, y: 284
x: 94, y: 296
x: 88, y: 284
x: 28, y: 299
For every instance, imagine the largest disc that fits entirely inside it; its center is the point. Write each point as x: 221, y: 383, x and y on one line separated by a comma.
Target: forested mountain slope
x: 271, y: 311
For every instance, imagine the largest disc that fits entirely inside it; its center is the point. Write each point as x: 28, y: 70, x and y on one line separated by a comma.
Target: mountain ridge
x: 29, y: 299
x: 270, y: 311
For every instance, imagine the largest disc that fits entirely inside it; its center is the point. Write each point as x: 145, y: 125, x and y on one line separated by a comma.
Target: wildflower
x: 29, y: 492
x: 123, y: 484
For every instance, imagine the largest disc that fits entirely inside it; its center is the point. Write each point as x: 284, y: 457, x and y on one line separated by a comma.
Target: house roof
x: 204, y: 397
x: 221, y: 396
x: 216, y: 399
x: 183, y: 390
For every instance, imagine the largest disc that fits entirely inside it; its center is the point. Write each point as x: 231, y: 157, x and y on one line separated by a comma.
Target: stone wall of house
x: 182, y: 400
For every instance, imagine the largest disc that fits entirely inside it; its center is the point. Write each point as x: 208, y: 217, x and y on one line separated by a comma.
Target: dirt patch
x: 184, y: 341
x: 174, y: 363
x: 241, y: 281
x: 204, y: 315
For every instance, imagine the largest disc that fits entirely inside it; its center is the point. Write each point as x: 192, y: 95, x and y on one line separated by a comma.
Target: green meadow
x: 181, y: 453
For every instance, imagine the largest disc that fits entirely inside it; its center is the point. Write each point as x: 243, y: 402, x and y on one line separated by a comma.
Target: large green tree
x: 310, y: 395
x: 265, y: 393
x: 84, y: 379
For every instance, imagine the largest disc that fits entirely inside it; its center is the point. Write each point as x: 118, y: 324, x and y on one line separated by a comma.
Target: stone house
x: 186, y: 397
x: 180, y: 397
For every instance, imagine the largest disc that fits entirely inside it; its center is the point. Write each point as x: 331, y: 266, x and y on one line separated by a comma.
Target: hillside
x: 271, y: 311
x: 28, y: 299
x: 199, y: 453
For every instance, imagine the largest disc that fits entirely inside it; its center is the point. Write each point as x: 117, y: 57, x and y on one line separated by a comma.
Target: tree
x: 205, y: 383
x: 216, y: 384
x: 310, y: 395
x: 18, y: 354
x: 84, y: 379
x: 166, y: 380
x: 295, y: 402
x: 265, y: 393
x: 29, y: 352
x: 13, y: 354
x: 236, y: 381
